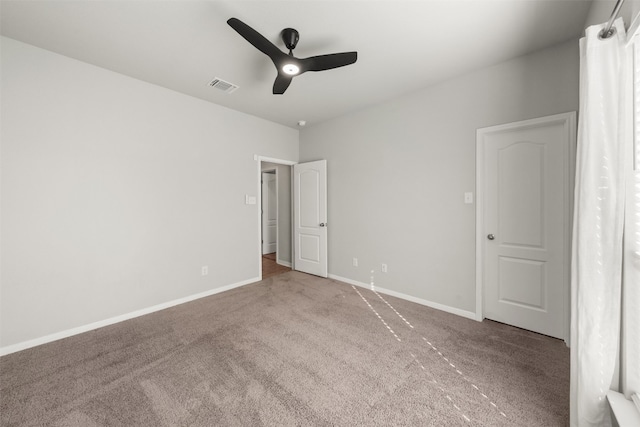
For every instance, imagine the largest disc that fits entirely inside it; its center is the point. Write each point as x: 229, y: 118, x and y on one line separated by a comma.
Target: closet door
x: 523, y: 238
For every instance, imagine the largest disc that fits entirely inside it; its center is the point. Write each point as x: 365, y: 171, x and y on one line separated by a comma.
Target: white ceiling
x: 402, y: 45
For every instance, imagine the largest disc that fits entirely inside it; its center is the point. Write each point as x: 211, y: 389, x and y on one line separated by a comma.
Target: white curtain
x: 630, y: 346
x: 598, y: 225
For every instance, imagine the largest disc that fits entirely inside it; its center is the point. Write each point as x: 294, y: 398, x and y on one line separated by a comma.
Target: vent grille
x: 223, y: 85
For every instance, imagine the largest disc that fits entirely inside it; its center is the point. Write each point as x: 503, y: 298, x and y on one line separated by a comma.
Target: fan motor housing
x: 290, y: 38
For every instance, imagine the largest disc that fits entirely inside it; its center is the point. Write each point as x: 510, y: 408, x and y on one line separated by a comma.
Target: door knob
x: 491, y: 237
x: 322, y: 224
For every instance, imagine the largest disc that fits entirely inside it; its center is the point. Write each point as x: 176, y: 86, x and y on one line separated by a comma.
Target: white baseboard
x: 106, y: 322
x: 282, y: 262
x: 464, y: 313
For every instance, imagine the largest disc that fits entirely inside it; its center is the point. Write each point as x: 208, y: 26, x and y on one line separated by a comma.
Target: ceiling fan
x: 287, y: 65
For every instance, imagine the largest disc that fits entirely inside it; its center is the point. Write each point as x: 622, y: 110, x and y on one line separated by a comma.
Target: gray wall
x: 115, y: 192
x: 397, y: 173
x: 600, y: 11
x: 283, y: 255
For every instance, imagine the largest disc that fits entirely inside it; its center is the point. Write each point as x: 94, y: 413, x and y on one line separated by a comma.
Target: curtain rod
x: 608, y: 30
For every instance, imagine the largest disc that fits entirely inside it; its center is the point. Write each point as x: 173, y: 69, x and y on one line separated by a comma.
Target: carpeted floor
x: 291, y: 350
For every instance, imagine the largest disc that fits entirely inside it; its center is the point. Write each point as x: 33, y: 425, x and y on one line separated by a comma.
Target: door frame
x: 259, y: 159
x: 570, y: 124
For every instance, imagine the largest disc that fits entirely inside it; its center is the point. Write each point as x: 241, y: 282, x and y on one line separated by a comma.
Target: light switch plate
x: 249, y: 200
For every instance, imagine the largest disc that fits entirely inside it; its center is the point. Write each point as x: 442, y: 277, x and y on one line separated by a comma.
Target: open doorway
x: 302, y: 190
x: 269, y: 211
x: 276, y: 207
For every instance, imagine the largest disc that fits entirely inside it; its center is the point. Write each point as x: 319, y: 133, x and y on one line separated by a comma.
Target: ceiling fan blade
x: 327, y: 62
x: 281, y: 84
x: 256, y: 39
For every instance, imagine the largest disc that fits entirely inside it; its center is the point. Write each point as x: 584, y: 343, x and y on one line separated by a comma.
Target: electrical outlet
x: 355, y: 262
x: 384, y: 268
x: 205, y: 270
x: 468, y: 198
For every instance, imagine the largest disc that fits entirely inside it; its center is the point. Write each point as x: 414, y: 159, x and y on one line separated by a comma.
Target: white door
x: 523, y: 222
x: 269, y: 213
x: 310, y: 217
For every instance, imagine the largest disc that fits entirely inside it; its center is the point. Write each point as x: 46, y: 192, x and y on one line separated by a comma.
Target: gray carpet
x: 292, y: 350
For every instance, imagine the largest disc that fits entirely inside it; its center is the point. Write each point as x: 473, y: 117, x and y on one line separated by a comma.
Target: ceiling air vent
x: 222, y: 85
